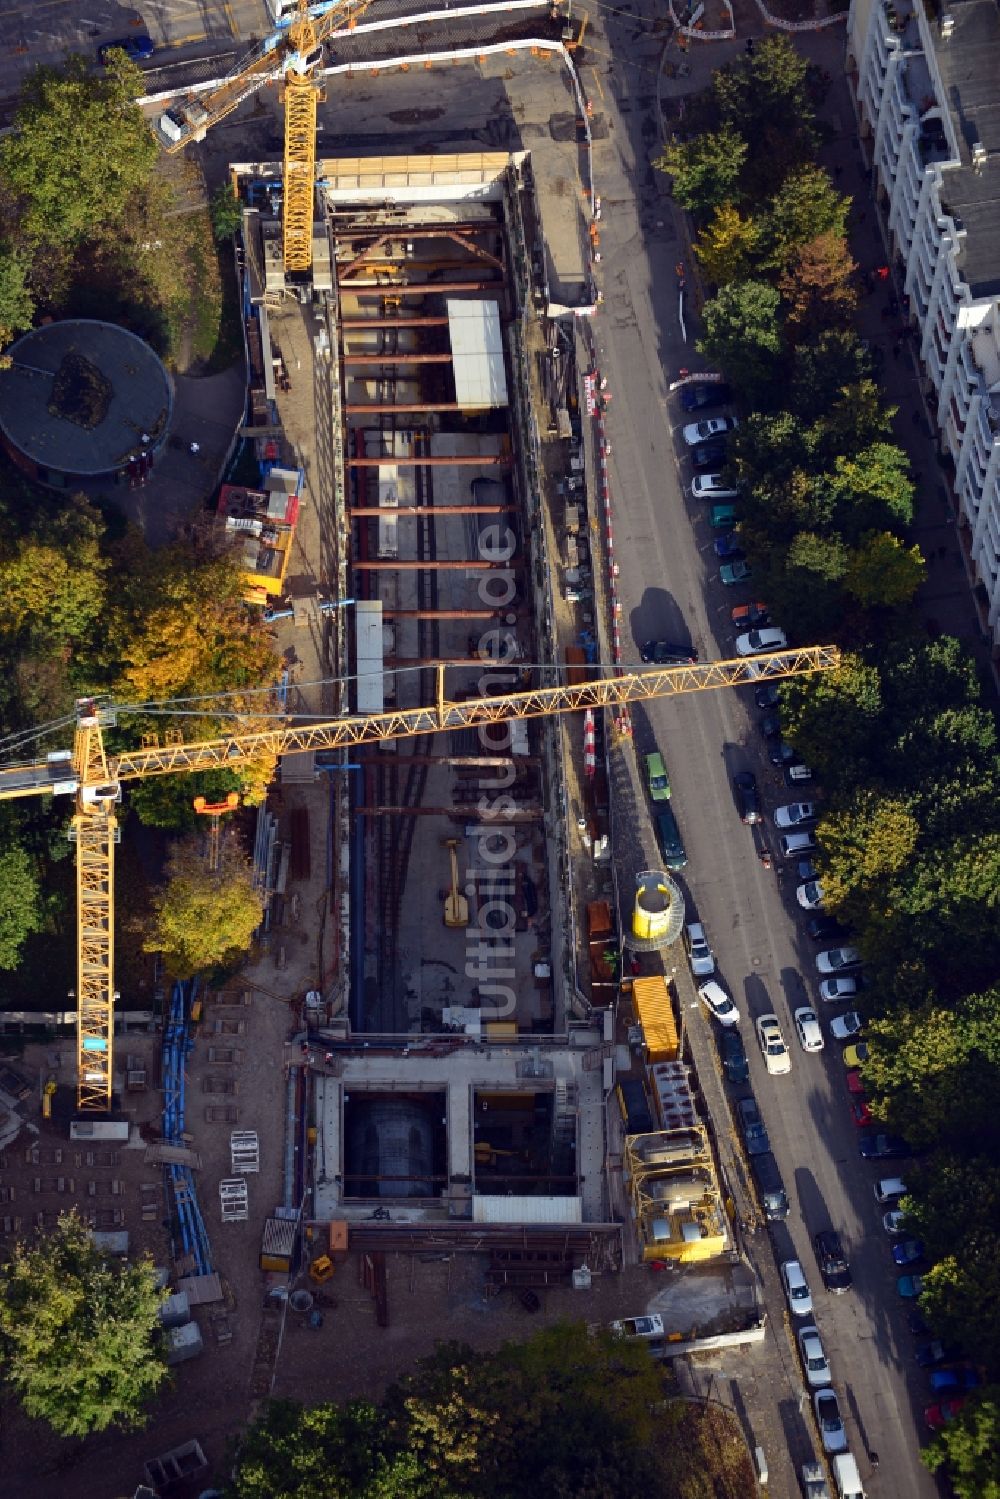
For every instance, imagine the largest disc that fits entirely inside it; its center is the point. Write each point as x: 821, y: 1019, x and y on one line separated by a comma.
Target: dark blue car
x: 879, y: 1147
x: 702, y: 397
x: 962, y: 1377
x: 728, y: 546
x: 138, y: 48
x: 910, y: 1252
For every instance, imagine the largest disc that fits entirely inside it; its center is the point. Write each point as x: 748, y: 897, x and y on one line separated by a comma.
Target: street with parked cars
x: 756, y: 904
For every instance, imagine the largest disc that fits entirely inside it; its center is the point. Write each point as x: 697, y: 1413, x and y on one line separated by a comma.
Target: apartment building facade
x: 926, y: 85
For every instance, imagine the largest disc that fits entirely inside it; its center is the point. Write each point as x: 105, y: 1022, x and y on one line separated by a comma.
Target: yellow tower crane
x: 96, y: 779
x: 295, y: 53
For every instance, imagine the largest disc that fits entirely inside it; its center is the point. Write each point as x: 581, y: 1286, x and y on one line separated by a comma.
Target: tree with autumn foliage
x: 181, y: 629
x: 204, y: 918
x: 818, y: 286
x: 883, y: 572
x: 726, y: 246
x: 570, y: 1412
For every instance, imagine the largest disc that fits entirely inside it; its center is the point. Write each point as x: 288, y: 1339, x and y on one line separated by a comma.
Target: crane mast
x: 93, y: 830
x: 295, y: 52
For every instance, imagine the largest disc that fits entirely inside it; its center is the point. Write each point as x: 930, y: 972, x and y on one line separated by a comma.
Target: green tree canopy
x: 805, y: 207
x: 870, y: 489
x: 969, y: 1447
x: 79, y: 1332
x: 21, y: 903
x: 226, y: 210
x: 46, y: 590
x: 833, y: 719
x: 567, y: 1414
x: 743, y: 336
x: 764, y: 96
x: 705, y: 169
x: 823, y: 367
x: 168, y: 801
x: 202, y: 918
x: 17, y: 306
x: 324, y: 1452
x: 79, y: 151
x: 883, y: 572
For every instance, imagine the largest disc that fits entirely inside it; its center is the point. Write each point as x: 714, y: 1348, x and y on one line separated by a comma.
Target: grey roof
x: 969, y: 61
x: 80, y: 394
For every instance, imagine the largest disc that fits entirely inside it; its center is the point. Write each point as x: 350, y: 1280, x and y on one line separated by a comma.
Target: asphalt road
x: 669, y: 587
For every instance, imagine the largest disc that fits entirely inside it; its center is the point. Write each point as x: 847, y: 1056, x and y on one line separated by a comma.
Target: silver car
x: 837, y: 959
x: 800, y: 1302
x: 814, y: 1360
x: 700, y: 954
x: 830, y: 1421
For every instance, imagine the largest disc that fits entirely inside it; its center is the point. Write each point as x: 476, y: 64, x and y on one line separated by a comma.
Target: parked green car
x: 724, y: 517
x: 732, y: 573
x: 656, y: 778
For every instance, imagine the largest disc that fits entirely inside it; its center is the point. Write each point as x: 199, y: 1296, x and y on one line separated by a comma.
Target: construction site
x: 406, y: 1102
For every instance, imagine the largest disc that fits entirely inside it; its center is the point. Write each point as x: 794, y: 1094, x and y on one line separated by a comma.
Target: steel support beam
x: 451, y: 564
x: 426, y: 231
x: 473, y: 762
x: 393, y: 322
x: 395, y: 358
x: 488, y: 661
x: 376, y: 408
x: 389, y: 613
x: 402, y: 512
x: 458, y: 460
x: 419, y: 289
x: 467, y: 812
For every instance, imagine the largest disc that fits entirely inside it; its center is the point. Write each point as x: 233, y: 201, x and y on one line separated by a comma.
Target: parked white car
x: 830, y: 1421
x: 700, y: 955
x: 755, y: 642
x: 707, y: 428
x: 846, y: 1027
x: 795, y: 814
x: 810, y: 895
x: 774, y: 1050
x: 807, y: 1026
x: 719, y: 1003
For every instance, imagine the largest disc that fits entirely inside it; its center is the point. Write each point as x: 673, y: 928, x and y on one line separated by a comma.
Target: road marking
x: 230, y: 18
x: 597, y: 80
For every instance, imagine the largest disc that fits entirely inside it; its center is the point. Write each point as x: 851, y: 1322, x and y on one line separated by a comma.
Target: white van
x: 889, y: 1188
x: 847, y: 1477
x: 794, y: 844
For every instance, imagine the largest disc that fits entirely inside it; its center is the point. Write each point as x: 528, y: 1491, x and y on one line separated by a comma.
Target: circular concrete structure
x: 82, y: 399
